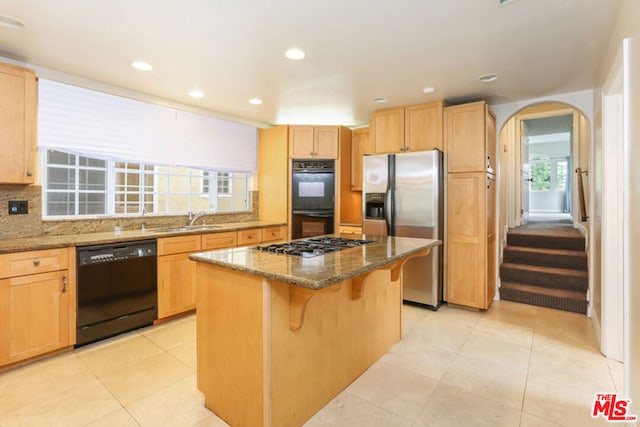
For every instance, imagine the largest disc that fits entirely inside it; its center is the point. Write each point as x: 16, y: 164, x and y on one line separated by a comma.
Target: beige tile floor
x: 513, y: 365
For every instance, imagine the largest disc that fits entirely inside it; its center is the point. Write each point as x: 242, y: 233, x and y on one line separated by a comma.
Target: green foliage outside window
x: 541, y: 176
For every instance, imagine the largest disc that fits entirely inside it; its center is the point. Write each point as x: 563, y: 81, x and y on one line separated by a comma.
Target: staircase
x: 545, y: 266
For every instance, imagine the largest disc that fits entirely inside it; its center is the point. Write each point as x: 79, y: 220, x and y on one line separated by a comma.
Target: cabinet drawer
x: 350, y: 230
x: 271, y: 234
x: 219, y: 240
x: 179, y: 244
x: 32, y: 262
x: 249, y: 237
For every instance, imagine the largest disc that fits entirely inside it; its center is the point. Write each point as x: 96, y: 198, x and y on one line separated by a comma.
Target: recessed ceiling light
x: 489, y: 77
x: 141, y: 65
x: 294, y: 54
x: 196, y: 94
x: 255, y: 101
x: 428, y: 90
x: 379, y: 99
x: 9, y: 22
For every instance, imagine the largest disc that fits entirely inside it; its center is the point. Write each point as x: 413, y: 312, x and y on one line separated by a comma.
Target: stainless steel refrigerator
x: 403, y: 196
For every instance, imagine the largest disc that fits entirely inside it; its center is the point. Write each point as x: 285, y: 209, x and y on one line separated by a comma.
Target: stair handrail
x: 583, y: 206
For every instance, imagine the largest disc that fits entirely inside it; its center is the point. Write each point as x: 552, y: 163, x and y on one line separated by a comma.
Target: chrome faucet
x: 194, y: 217
x: 144, y: 212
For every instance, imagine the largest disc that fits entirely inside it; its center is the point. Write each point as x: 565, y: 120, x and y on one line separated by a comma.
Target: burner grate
x: 313, y: 247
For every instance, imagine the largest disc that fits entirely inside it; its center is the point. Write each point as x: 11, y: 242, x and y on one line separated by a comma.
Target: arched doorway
x: 559, y: 138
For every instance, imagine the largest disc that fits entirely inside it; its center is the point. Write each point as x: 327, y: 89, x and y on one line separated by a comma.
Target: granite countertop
x: 63, y: 241
x: 320, y: 271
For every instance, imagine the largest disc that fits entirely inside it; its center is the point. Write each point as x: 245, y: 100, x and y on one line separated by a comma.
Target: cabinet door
x: 423, y: 127
x: 301, y: 142
x: 34, y: 311
x: 465, y: 134
x: 325, y: 142
x: 387, y: 130
x: 360, y: 146
x: 18, y: 124
x: 273, y: 174
x: 466, y: 239
x: 176, y: 284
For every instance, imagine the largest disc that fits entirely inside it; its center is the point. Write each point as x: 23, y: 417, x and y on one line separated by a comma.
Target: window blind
x: 104, y: 126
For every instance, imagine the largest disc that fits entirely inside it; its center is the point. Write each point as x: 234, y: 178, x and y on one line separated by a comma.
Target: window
x: 549, y: 174
x: 81, y: 186
x: 224, y: 183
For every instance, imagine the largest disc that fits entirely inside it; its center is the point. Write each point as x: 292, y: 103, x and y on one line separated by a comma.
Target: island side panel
x: 339, y: 339
x: 230, y: 313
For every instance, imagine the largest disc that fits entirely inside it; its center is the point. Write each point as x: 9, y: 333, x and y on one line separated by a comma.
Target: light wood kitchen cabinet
x: 313, y: 142
x: 387, y: 130
x: 273, y: 174
x: 349, y: 229
x: 37, y: 303
x: 18, y: 124
x: 361, y: 144
x: 423, y: 125
x: 219, y: 240
x: 412, y: 128
x: 470, y: 239
x: 466, y: 137
x: 249, y: 237
x: 176, y: 274
x: 273, y: 234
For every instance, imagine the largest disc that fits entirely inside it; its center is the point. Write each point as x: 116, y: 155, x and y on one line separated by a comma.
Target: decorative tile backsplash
x: 32, y: 224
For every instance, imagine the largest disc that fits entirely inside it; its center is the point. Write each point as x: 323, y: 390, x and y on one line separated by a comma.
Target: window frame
x: 113, y: 168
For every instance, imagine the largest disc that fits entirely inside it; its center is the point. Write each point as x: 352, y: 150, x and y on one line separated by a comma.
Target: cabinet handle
x: 29, y: 173
x: 36, y: 262
x: 64, y: 284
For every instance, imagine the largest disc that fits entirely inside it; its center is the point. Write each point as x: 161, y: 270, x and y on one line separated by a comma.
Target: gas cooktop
x: 313, y: 247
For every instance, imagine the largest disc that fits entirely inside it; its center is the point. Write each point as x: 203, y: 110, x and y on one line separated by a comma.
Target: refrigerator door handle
x: 389, y: 199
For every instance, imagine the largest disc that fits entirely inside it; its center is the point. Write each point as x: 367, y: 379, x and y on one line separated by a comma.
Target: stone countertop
x: 63, y: 241
x: 320, y: 271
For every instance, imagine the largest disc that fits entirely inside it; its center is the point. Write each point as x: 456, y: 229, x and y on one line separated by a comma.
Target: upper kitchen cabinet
x: 361, y: 144
x: 466, y: 137
x: 273, y: 174
x: 412, y: 128
x: 387, y: 130
x: 423, y: 126
x: 313, y: 142
x: 18, y: 124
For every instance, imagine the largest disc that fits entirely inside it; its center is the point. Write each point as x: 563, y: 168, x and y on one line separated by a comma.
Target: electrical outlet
x: 18, y: 207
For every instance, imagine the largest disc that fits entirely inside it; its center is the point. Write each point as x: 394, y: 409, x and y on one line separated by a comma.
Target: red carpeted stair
x: 545, y: 266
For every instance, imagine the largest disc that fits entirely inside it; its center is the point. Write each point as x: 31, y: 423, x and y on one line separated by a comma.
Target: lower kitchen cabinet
x: 37, y: 309
x: 470, y: 246
x: 176, y: 274
x: 348, y: 229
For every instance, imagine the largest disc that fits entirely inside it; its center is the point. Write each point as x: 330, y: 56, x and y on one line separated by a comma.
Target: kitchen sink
x: 201, y: 227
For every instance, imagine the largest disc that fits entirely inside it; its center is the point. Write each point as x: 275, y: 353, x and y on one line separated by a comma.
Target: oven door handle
x: 318, y: 215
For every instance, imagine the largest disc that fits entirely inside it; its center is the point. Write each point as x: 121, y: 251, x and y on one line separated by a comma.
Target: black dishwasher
x: 117, y: 289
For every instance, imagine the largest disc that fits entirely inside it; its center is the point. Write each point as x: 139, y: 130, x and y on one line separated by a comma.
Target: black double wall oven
x: 312, y: 198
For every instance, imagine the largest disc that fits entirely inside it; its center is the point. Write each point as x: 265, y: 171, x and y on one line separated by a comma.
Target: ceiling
x: 355, y: 51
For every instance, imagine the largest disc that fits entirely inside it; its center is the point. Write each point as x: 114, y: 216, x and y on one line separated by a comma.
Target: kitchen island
x: 279, y: 336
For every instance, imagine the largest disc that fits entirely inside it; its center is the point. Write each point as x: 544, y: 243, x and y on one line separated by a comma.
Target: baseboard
x: 595, y: 323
